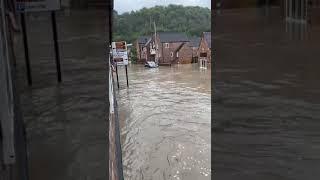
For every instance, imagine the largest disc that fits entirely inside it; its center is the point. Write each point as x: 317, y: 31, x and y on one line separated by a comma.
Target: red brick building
x: 170, y: 48
x: 205, y: 48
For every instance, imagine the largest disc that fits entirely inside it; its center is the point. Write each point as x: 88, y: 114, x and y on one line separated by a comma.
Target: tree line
x: 192, y: 20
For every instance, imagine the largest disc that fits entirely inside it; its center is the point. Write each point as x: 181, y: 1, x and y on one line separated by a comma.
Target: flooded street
x: 165, y: 119
x: 266, y: 100
x: 65, y: 123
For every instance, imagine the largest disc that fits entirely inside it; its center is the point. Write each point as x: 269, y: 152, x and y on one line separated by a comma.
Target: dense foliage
x: 133, y: 55
x: 192, y: 20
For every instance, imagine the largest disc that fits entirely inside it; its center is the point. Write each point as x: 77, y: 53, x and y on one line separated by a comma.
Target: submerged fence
x: 115, y: 152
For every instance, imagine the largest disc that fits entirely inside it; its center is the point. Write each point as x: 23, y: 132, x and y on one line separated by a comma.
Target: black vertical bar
x: 117, y: 75
x: 26, y: 48
x: 127, y: 76
x: 56, y: 45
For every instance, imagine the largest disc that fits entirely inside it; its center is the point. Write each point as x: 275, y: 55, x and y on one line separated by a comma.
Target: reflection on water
x: 266, y: 106
x: 165, y: 121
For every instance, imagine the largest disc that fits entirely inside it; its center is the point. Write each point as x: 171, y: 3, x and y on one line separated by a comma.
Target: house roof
x: 149, y: 40
x: 143, y: 39
x: 207, y: 37
x: 167, y: 37
x: 181, y: 45
x: 195, y: 41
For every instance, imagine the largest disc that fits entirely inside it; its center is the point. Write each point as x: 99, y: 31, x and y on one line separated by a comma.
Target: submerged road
x: 165, y: 122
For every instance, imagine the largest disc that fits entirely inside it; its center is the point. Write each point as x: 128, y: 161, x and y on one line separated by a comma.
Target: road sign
x: 120, y: 53
x: 37, y: 5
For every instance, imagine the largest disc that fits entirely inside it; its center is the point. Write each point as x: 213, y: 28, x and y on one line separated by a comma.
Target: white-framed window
x: 167, y: 45
x: 171, y: 54
x: 177, y: 54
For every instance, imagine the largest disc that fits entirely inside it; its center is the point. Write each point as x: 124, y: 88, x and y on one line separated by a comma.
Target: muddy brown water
x: 165, y: 118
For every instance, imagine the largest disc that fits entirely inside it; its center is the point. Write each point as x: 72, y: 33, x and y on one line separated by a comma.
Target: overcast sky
x: 122, y: 6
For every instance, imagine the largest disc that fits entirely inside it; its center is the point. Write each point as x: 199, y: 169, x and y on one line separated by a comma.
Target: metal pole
x: 56, y: 45
x: 127, y: 76
x: 26, y: 48
x: 117, y: 76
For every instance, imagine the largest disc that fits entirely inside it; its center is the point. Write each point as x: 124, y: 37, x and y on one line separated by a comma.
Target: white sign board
x: 37, y: 5
x: 120, y: 53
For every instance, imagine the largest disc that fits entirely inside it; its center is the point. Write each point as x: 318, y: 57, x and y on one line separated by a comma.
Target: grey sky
x: 122, y: 6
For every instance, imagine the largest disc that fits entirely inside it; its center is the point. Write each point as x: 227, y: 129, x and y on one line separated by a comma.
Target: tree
x: 192, y: 20
x: 133, y: 55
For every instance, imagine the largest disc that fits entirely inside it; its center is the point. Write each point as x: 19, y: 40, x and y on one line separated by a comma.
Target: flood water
x: 165, y: 118
x: 266, y: 100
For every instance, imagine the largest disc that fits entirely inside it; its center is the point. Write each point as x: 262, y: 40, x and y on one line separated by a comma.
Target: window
x: 177, y: 54
x: 171, y: 54
x: 159, y: 55
x: 203, y: 54
x: 167, y: 45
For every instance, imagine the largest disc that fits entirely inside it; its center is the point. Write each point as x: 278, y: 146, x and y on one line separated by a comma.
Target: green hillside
x: 191, y: 20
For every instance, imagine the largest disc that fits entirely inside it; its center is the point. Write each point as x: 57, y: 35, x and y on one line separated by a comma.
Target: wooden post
x: 117, y: 75
x: 127, y: 76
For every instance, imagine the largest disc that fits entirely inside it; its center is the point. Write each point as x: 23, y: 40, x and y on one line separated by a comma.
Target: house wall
x: 165, y: 53
x: 185, y: 54
x: 141, y: 54
x: 203, y: 48
x: 195, y: 51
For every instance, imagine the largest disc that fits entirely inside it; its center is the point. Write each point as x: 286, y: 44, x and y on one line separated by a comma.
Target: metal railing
x: 115, y: 152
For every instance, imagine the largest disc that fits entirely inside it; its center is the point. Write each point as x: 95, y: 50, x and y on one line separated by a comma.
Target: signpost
x: 25, y: 6
x: 120, y: 57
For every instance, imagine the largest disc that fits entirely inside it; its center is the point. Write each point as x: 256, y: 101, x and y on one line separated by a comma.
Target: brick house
x: 205, y: 48
x: 170, y: 48
x: 141, y: 48
x: 194, y: 44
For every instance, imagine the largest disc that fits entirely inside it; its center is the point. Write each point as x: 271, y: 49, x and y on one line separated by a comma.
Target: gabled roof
x: 195, y: 41
x: 181, y: 45
x: 167, y: 37
x: 149, y: 40
x: 143, y: 39
x: 207, y: 37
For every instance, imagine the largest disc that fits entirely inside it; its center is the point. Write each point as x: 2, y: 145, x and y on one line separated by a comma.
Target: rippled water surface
x: 165, y: 122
